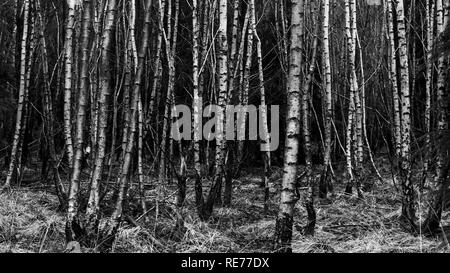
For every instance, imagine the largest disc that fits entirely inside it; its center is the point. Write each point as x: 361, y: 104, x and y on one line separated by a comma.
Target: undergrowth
x: 30, y: 222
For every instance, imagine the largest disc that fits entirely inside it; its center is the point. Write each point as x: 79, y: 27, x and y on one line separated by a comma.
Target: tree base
x: 283, y: 234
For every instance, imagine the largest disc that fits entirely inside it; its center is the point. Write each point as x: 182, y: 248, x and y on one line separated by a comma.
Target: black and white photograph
x: 245, y: 128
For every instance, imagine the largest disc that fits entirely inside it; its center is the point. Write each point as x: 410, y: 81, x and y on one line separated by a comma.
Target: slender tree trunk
x: 109, y: 230
x: 442, y: 7
x: 432, y: 223
x: 395, y: 93
x: 80, y: 123
x: 48, y: 114
x: 408, y: 203
x: 13, y: 44
x: 429, y: 83
x: 229, y: 173
x: 171, y: 48
x: 14, y: 164
x: 140, y: 159
x: 246, y: 85
x: 92, y: 211
x: 325, y: 175
x: 126, y: 98
x: 306, y: 125
x: 222, y: 52
x: 22, y: 151
x: 12, y: 48
x: 289, y: 193
x: 156, y: 86
x: 263, y: 113
x: 364, y: 115
x: 197, y: 106
x: 359, y: 149
x: 94, y: 79
x: 68, y: 78
x: 234, y: 43
x: 350, y: 153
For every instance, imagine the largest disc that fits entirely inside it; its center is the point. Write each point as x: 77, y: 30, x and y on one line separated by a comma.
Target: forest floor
x: 29, y: 222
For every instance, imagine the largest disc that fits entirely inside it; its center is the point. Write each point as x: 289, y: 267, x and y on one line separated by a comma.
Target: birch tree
x: 73, y: 226
x: 14, y: 164
x: 325, y: 175
x: 82, y: 98
x: 289, y: 192
x: 222, y: 74
x: 171, y: 49
x: 393, y: 77
x: 408, y: 203
x: 68, y: 64
x: 432, y: 224
x: 306, y: 126
x: 430, y: 5
x: 49, y: 113
x: 197, y: 106
x: 263, y: 111
x: 353, y: 122
x: 109, y: 229
x: 442, y: 9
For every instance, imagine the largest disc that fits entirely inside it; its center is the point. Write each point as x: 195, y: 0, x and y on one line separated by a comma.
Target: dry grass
x: 29, y: 222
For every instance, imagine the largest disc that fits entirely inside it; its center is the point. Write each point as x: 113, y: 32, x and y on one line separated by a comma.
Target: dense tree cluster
x: 87, y: 90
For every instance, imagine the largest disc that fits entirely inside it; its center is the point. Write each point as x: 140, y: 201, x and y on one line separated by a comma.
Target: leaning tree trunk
x: 306, y: 125
x: 48, y: 114
x: 22, y: 150
x: 246, y: 85
x: 73, y: 230
x: 140, y: 163
x: 171, y: 48
x: 433, y: 220
x: 289, y: 192
x: 105, y: 91
x: 23, y: 90
x: 81, y: 118
x: 108, y: 231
